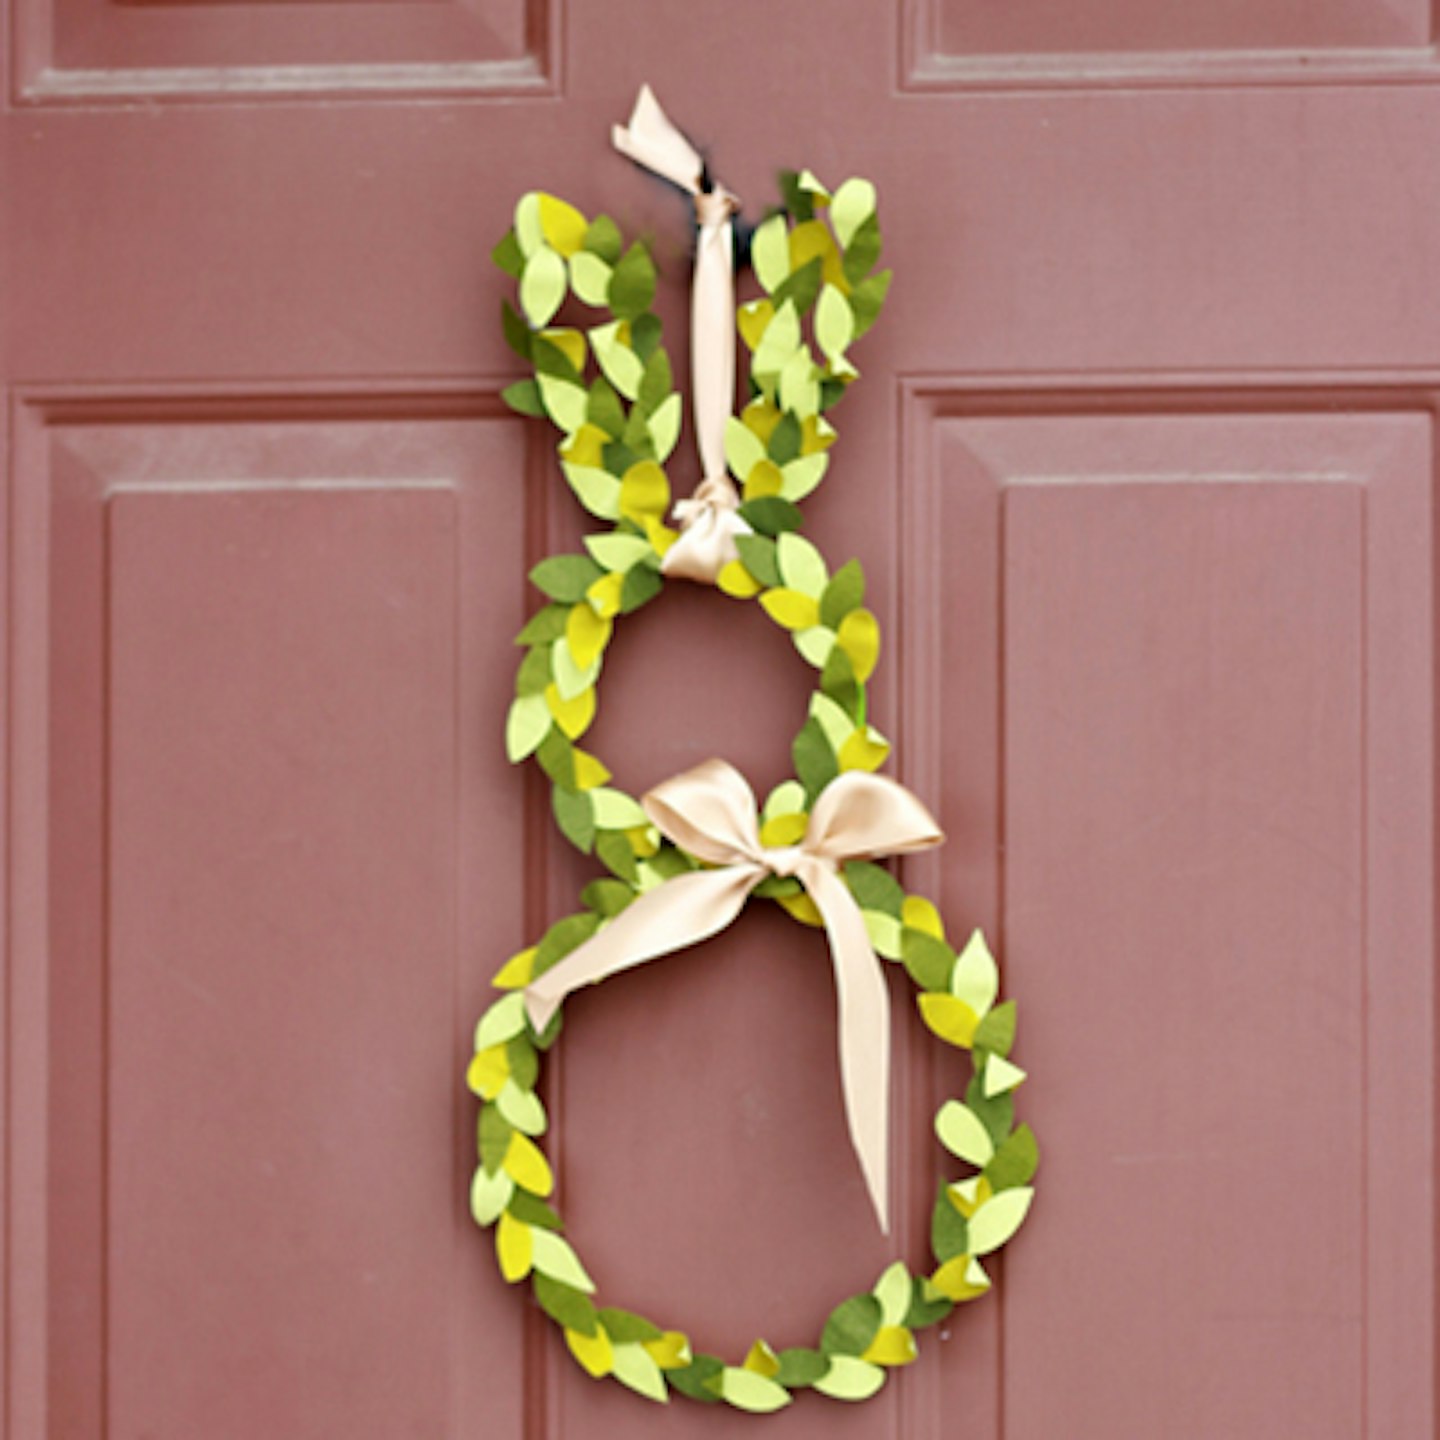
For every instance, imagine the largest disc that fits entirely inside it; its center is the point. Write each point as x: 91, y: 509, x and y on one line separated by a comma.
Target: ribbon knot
x: 710, y: 812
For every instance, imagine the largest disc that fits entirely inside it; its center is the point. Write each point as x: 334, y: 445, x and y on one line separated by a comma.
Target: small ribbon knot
x: 710, y: 812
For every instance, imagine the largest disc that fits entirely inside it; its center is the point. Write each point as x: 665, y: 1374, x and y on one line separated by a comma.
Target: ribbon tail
x: 678, y: 913
x: 712, y: 343
x: 864, y: 1019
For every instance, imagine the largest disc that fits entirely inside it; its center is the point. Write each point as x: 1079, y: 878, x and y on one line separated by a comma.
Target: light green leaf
x: 526, y: 726
x: 998, y: 1219
x: 976, y: 979
x: 853, y: 204
x: 489, y: 1195
x: 800, y: 477
x: 770, y: 252
x: 502, y: 1020
x: 542, y: 286
x: 884, y: 932
x: 779, y: 343
x: 570, y: 679
x: 617, y: 552
x: 522, y: 1108
x: 1001, y: 1076
x: 815, y: 644
x: 744, y: 449
x: 552, y: 1256
x: 834, y: 323
x: 665, y: 426
x: 850, y: 1378
x: 893, y: 1291
x: 527, y: 224
x: 589, y: 277
x: 959, y: 1130
x: 615, y: 810
x: 597, y: 490
x: 564, y: 401
x: 800, y: 385
x: 633, y: 1365
x: 801, y: 565
x: 836, y: 724
x: 622, y: 366
x: 749, y: 1390
x: 785, y: 799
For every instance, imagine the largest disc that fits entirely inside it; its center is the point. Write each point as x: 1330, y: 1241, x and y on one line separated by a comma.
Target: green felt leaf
x: 996, y: 1032
x: 928, y: 960
x: 615, y: 854
x: 744, y: 449
x: 634, y: 1366
x: 924, y: 1311
x: 589, y: 277
x: 833, y: 720
x: 555, y: 1257
x: 834, y: 323
x: 522, y: 1109
x: 566, y: 577
x: 1015, y: 1162
x: 534, y: 673
x: 802, y: 476
x: 758, y: 556
x: 844, y: 593
x: 785, y: 440
x: 656, y: 382
x: 770, y: 252
x: 507, y: 255
x: 632, y: 285
x: 664, y: 427
x: 489, y: 1195
x: 557, y: 759
x: 996, y: 1112
x: 570, y: 679
x: 645, y: 332
x: 506, y: 1017
x: 494, y: 1138
x: 874, y: 887
x: 528, y: 229
x: 562, y: 937
x: 603, y: 408
x: 641, y: 586
x: 551, y: 360
x: 976, y: 978
x: 596, y: 490
x: 801, y: 286
x: 802, y: 567
x: 959, y: 1130
x: 618, y: 457
x: 542, y: 286
x: 564, y: 1304
x: 626, y: 1328
x: 800, y: 391
x: 602, y: 238
x: 699, y: 1379
x: 849, y: 1378
x: 617, y: 551
x: 637, y: 432
x: 749, y: 1390
x: 998, y: 1219
x: 780, y: 341
x: 620, y: 363
x: 615, y: 810
x: 863, y: 251
x: 532, y: 1210
x: 852, y: 1326
x: 524, y: 398
x: 837, y: 680
x: 800, y: 1367
x: 575, y: 815
x: 892, y: 1290
x: 868, y: 298
x: 798, y: 200
x: 815, y: 644
x: 518, y: 335
x: 852, y: 205
x: 815, y: 762
x: 526, y: 726
x: 547, y: 623
x: 564, y: 402
x: 832, y: 388
x: 884, y: 933
x: 949, y: 1234
x: 523, y: 1061
x: 770, y: 515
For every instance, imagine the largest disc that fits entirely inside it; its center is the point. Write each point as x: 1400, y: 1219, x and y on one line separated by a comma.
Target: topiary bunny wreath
x: 684, y: 859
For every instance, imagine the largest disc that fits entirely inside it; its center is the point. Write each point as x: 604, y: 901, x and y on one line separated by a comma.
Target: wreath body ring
x: 686, y: 857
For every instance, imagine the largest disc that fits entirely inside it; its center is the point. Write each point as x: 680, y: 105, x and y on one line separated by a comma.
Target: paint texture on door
x: 1141, y: 468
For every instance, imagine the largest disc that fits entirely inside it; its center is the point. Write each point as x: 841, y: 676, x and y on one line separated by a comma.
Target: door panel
x: 1141, y: 468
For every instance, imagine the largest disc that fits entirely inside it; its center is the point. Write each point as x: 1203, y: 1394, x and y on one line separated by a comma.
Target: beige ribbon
x: 708, y: 521
x: 710, y: 812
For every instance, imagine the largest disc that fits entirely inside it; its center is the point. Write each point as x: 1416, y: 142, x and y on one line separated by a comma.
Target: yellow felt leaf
x: 671, y: 1351
x: 816, y: 434
x: 764, y: 479
x: 513, y: 1247
x: 488, y: 1072
x: 763, y: 1360
x: 516, y: 972
x: 951, y: 1019
x: 864, y: 749
x: 790, y: 608
x: 589, y: 773
x: 592, y: 1351
x: 921, y: 914
x: 570, y: 343
x: 801, y: 907
x: 784, y: 829
x: 661, y: 536
x: 586, y: 447
x: 561, y: 224
x: 644, y: 492
x: 967, y: 1196
x: 859, y: 638
x: 644, y: 840
x: 587, y: 634
x: 762, y: 416
x: 752, y: 320
x: 526, y: 1165
x: 813, y: 238
x: 962, y: 1278
x: 892, y: 1345
x: 572, y: 716
x: 604, y: 598
x: 736, y: 580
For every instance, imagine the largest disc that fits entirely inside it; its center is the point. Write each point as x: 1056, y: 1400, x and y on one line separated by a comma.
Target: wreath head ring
x: 684, y: 858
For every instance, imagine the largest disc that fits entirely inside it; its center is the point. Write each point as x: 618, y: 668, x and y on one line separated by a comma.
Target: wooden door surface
x: 1141, y: 467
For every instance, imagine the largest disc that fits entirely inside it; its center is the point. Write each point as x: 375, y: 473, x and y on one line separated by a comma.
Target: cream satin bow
x: 708, y: 521
x: 710, y: 812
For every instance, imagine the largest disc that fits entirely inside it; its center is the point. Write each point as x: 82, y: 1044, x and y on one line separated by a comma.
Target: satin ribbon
x: 710, y: 812
x: 708, y: 521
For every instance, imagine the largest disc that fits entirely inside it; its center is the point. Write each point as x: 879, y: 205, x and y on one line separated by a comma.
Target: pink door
x: 1141, y: 468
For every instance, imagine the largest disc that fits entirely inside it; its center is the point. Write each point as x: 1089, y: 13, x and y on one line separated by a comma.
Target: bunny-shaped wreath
x: 811, y: 847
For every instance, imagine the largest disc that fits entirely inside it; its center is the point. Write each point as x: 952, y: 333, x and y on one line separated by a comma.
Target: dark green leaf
x: 997, y: 1114
x: 603, y: 408
x: 645, y: 334
x: 618, y: 458
x: 557, y: 758
x: 923, y: 1312
x: 928, y: 960
x: 656, y: 383
x: 625, y: 1328
x: 837, y: 680
x: 844, y: 593
x: 615, y: 854
x: 534, y: 673
x: 575, y: 815
x: 863, y: 251
x: 603, y: 239
x: 632, y: 283
x: 669, y: 862
x: 758, y: 556
x: 770, y: 515
x: 566, y: 577
x: 550, y: 359
x: 949, y: 1234
x: 996, y: 1032
x: 832, y: 390
x: 815, y: 762
x: 801, y: 287
x: 562, y: 937
x: 1015, y: 1162
x: 508, y: 256
x: 637, y: 433
x: 524, y: 398
x: 852, y: 1326
x: 494, y: 1138
x: 564, y: 1304
x: 547, y: 623
x: 606, y: 897
x: 695, y: 1380
x: 867, y: 298
x: 874, y: 887
x: 523, y: 1061
x: 517, y: 332
x: 640, y: 586
x: 800, y: 1367
x: 533, y: 1210
x: 798, y: 201
x: 784, y: 443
